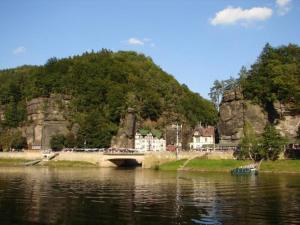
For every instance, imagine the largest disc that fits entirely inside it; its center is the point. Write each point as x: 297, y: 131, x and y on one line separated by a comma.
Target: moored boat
x: 244, y: 171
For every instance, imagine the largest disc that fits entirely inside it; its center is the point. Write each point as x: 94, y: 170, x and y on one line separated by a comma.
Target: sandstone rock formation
x: 288, y: 121
x: 235, y: 111
x: 126, y: 132
x: 45, y: 119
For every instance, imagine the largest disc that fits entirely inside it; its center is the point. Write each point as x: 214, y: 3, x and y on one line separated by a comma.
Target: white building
x: 203, y: 136
x: 148, y: 142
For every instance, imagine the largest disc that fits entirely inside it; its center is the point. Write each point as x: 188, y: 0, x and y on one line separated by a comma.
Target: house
x: 203, y: 136
x: 149, y: 141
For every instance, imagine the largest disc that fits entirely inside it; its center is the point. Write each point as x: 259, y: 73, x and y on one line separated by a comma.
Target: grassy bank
x: 5, y: 162
x: 283, y: 166
x: 280, y: 166
x: 12, y: 162
x: 65, y: 163
x: 205, y: 164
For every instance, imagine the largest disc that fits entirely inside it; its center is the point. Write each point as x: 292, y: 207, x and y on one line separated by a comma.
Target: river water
x: 137, y: 196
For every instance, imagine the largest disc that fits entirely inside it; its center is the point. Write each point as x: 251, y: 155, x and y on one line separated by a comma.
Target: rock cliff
x: 235, y: 111
x: 46, y: 117
x: 126, y: 132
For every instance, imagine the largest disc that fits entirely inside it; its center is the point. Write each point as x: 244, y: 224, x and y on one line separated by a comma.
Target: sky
x: 196, y: 41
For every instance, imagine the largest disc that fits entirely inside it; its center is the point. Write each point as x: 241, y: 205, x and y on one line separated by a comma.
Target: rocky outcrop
x: 126, y: 132
x: 234, y: 112
x: 288, y: 121
x: 46, y: 117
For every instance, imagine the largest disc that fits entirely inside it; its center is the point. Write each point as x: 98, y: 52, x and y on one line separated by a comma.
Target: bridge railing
x: 117, y: 151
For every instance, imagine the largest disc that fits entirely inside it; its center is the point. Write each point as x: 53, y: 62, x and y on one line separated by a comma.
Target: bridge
x: 125, y: 159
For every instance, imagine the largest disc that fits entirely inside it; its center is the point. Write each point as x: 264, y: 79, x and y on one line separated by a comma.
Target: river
x: 135, y: 196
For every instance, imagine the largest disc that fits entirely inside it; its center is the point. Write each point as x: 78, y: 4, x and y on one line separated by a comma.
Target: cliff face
x: 126, y: 132
x: 288, y: 122
x: 235, y: 111
x: 46, y: 117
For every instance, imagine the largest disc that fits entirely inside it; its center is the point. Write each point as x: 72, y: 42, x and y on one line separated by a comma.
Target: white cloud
x: 283, y: 6
x: 139, y: 42
x: 230, y: 15
x: 19, y: 50
x: 135, y: 41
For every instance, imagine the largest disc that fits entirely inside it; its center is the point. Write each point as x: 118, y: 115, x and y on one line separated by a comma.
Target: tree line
x: 102, y: 85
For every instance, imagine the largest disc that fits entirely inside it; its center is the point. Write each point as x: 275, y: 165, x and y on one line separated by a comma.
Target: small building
x: 149, y: 141
x: 203, y: 136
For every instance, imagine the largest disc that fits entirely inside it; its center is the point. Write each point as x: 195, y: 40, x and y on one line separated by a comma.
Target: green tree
x: 57, y: 142
x: 275, y: 77
x: 250, y: 144
x: 70, y: 141
x: 220, y: 87
x: 216, y: 92
x: 272, y: 142
x: 18, y: 141
x: 14, y: 114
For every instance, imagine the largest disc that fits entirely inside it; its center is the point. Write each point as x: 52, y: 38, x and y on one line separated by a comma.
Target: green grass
x: 205, y: 165
x: 174, y: 165
x: 283, y: 166
x: 215, y: 165
x: 12, y: 162
x: 225, y: 165
x: 65, y: 163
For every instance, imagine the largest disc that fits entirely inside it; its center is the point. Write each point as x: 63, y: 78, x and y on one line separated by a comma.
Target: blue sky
x: 197, y: 41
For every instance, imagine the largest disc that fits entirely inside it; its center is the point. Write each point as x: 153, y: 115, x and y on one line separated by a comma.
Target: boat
x: 244, y: 171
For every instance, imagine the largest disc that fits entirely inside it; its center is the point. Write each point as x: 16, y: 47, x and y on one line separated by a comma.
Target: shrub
x: 57, y: 142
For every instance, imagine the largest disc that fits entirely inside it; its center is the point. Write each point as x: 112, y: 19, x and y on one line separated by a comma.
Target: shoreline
x: 204, y: 165
x: 9, y: 162
x: 195, y: 165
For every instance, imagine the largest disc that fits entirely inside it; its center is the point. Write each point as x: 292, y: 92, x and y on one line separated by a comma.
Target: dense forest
x: 274, y: 77
x: 102, y: 85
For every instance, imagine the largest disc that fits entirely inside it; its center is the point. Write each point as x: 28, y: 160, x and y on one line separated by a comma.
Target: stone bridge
x: 147, y: 160
x: 125, y: 159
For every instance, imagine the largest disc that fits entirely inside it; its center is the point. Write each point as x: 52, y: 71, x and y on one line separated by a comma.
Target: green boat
x: 244, y: 171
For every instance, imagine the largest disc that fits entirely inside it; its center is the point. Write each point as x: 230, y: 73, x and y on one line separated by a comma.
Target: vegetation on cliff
x: 268, y: 146
x: 102, y: 85
x: 274, y: 77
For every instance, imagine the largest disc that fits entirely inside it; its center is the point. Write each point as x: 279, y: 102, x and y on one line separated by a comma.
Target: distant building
x: 149, y: 141
x: 203, y: 136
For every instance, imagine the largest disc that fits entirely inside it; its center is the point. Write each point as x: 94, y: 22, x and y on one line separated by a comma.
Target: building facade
x: 148, y: 142
x: 203, y: 136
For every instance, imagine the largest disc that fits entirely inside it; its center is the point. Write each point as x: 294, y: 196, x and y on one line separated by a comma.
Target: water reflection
x: 114, y: 196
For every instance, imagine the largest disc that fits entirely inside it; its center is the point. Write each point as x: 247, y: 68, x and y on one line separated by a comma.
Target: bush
x: 18, y: 142
x: 70, y: 141
x: 269, y: 146
x: 57, y: 142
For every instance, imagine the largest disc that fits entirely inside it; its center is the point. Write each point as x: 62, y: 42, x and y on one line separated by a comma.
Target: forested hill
x: 275, y: 76
x: 102, y: 85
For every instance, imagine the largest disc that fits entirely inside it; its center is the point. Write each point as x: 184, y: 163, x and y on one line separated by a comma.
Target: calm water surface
x: 129, y: 197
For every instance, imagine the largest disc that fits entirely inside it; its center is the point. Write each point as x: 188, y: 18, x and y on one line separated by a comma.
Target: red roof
x: 204, y: 131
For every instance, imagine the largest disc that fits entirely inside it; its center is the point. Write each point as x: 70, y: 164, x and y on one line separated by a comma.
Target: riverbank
x: 207, y: 165
x: 201, y: 165
x: 100, y: 159
x: 12, y: 162
x: 7, y: 162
